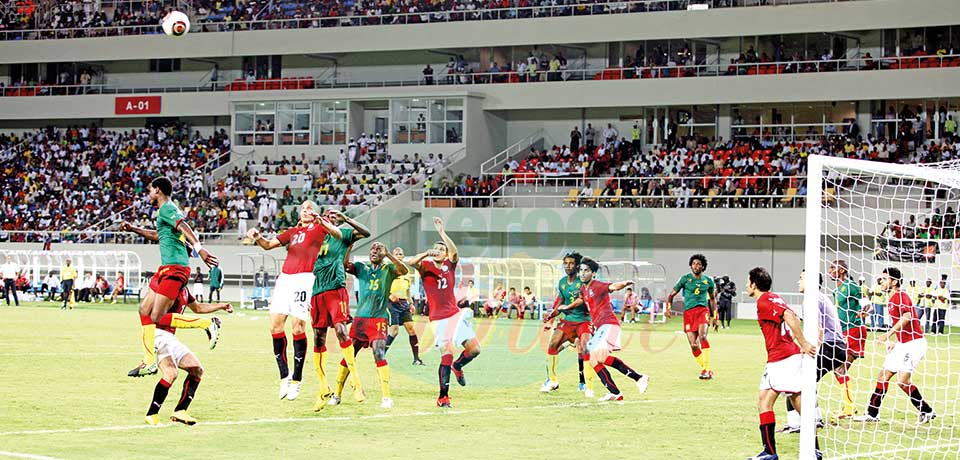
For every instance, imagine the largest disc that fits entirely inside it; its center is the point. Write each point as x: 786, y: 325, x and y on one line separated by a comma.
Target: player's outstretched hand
x: 808, y: 349
x: 253, y: 234
x: 438, y: 223
x: 227, y: 308
x: 125, y: 227
x: 208, y: 258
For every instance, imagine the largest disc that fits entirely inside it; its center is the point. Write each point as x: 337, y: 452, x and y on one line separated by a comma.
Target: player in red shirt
x: 606, y: 335
x: 904, y: 355
x: 173, y: 355
x: 118, y: 289
x: 782, y: 333
x: 451, y: 325
x: 292, y: 291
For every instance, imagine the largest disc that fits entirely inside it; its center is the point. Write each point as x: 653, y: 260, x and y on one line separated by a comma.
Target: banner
x: 137, y: 105
x: 907, y: 250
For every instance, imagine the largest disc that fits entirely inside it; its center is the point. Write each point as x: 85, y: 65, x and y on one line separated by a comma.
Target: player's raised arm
x: 347, y: 265
x: 452, y: 253
x: 331, y: 229
x: 415, y: 260
x: 796, y: 329
x: 147, y: 234
x: 194, y: 241
x: 614, y: 287
x: 398, y: 264
x: 264, y: 243
x: 559, y: 308
x: 361, y: 230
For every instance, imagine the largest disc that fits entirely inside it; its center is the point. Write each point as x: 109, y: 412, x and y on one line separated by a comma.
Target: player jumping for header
x: 574, y: 326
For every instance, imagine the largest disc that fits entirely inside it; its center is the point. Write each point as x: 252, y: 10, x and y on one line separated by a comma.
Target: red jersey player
x: 451, y: 325
x: 903, y: 355
x: 606, y: 334
x: 173, y: 355
x: 779, y: 326
x: 291, y: 294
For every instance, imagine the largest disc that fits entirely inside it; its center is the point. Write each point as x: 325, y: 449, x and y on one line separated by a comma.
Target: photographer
x: 726, y: 291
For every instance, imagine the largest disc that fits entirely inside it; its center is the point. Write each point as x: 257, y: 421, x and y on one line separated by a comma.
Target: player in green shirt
x: 330, y: 304
x: 847, y: 298
x: 176, y: 239
x: 369, y: 328
x: 574, y: 327
x: 699, y: 305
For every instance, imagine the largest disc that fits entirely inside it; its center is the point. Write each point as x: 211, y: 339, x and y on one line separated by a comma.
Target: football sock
x: 873, y: 409
x: 698, y: 355
x: 349, y: 356
x: 844, y: 381
x: 390, y: 339
x: 342, y: 376
x: 705, y: 347
x: 463, y: 360
x: 580, y: 366
x: 280, y: 353
x: 415, y: 346
x: 768, y: 422
x: 147, y: 339
x: 299, y: 356
x: 179, y: 321
x: 319, y: 357
x: 552, y: 365
x: 793, y: 417
x: 917, y: 399
x: 159, y: 394
x: 621, y: 366
x: 444, y: 373
x: 383, y: 370
x: 606, y: 378
x: 189, y: 389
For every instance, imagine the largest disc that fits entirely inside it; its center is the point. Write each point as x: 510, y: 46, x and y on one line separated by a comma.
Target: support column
x: 864, y: 115
x: 724, y: 121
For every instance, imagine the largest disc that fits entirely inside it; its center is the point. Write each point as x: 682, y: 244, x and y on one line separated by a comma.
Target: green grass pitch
x: 64, y: 393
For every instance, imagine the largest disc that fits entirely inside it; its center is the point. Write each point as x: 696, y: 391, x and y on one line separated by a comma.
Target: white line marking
x: 266, y: 421
x: 882, y: 453
x: 4, y: 453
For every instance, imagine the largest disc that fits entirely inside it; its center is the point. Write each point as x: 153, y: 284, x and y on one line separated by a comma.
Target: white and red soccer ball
x: 175, y: 24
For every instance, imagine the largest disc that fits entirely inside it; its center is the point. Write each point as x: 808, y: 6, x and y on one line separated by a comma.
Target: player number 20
x: 441, y: 283
x: 300, y: 296
x: 298, y: 238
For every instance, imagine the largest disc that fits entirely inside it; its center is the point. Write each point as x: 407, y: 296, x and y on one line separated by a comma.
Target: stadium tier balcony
x: 33, y: 20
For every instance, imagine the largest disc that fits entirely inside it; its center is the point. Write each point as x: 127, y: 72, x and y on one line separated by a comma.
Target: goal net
x: 867, y: 217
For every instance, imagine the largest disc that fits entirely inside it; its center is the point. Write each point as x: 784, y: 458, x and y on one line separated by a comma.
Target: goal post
x: 860, y: 212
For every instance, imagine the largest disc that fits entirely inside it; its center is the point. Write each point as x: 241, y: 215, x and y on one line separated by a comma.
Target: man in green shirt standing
x: 369, y: 328
x: 173, y: 234
x: 699, y: 306
x: 216, y: 282
x: 847, y: 296
x: 330, y: 303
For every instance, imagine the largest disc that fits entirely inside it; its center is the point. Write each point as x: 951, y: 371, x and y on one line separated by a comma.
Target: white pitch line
x: 267, y: 421
x: 881, y: 453
x: 4, y: 453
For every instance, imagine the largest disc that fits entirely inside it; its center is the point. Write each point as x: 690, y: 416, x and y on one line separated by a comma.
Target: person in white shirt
x: 10, y: 271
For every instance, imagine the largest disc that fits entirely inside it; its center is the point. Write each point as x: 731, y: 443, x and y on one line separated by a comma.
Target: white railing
x: 572, y: 9
x: 513, y: 77
x: 491, y: 166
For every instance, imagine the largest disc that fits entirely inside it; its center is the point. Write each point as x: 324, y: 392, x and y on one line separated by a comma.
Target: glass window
x: 254, y: 124
x: 331, y: 129
x: 410, y: 119
x: 294, y: 123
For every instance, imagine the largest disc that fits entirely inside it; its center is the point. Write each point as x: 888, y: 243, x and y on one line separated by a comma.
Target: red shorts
x: 329, y: 308
x: 169, y: 280
x: 365, y: 330
x: 856, y: 339
x: 573, y: 330
x: 694, y: 317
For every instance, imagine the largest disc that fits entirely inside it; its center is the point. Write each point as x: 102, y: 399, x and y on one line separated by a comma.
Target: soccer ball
x: 176, y: 24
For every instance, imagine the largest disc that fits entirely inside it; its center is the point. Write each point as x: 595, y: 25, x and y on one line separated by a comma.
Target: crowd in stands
x: 70, y: 179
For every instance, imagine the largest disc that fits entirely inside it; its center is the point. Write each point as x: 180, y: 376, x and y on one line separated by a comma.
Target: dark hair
x: 163, y: 184
x: 591, y: 264
x: 702, y: 258
x: 576, y: 256
x: 894, y: 274
x: 761, y: 278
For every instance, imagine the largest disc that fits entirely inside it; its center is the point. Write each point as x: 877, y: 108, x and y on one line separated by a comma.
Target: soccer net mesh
x: 873, y: 216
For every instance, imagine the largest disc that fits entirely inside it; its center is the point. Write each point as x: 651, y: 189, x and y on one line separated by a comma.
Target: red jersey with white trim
x: 898, y: 305
x: 596, y: 294
x: 438, y: 282
x: 776, y: 334
x: 303, y: 245
x: 179, y: 304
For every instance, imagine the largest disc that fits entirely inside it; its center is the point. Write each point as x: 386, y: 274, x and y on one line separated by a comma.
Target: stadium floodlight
x: 859, y: 212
